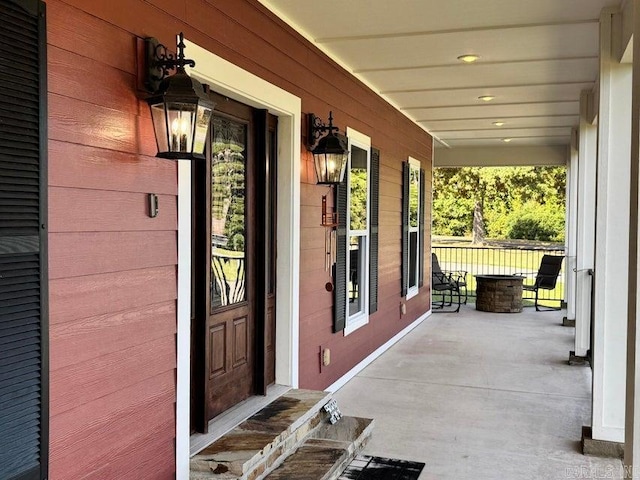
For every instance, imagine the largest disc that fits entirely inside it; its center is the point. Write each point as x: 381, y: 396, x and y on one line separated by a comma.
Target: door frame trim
x: 228, y: 79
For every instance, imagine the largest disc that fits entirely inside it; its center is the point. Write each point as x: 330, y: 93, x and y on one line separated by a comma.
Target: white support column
x: 571, y: 227
x: 612, y: 236
x: 586, y: 225
x: 632, y: 417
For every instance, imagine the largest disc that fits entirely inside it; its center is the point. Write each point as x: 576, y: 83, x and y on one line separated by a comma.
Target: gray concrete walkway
x: 481, y: 396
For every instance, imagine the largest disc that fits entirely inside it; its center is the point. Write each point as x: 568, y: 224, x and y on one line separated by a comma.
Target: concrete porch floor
x: 481, y: 396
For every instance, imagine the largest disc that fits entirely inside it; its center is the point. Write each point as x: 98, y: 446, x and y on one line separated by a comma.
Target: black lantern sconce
x: 330, y: 153
x: 180, y: 110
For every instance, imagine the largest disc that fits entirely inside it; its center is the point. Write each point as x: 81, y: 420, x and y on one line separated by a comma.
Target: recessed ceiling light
x: 486, y: 98
x: 468, y: 58
x: 506, y: 140
x: 498, y: 124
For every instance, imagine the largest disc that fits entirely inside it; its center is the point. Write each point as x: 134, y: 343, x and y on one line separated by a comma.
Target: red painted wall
x: 113, y: 269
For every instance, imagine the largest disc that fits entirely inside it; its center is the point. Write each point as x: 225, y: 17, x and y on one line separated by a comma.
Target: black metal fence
x: 502, y: 261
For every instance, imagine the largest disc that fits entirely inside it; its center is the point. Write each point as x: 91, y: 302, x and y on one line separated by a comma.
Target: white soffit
x: 535, y: 59
x: 477, y: 156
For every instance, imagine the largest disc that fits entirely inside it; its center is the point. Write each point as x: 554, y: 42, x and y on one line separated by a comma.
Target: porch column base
x: 568, y: 322
x: 600, y: 448
x: 577, y: 360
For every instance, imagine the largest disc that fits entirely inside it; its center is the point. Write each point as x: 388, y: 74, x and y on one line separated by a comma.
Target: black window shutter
x: 421, y: 230
x: 340, y: 267
x: 373, y: 230
x: 405, y: 228
x: 23, y: 261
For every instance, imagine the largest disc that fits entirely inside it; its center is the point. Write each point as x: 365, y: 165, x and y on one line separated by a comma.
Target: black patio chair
x: 448, y: 284
x: 546, y: 278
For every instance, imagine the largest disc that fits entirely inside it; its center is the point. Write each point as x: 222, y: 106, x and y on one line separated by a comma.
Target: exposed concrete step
x: 328, y: 451
x: 264, y: 440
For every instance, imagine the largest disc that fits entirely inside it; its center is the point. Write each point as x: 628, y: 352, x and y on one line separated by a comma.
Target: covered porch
x: 520, y: 83
x: 481, y: 395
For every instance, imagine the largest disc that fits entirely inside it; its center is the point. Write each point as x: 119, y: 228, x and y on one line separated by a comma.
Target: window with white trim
x: 358, y: 233
x: 355, y: 272
x: 357, y: 223
x: 413, y: 230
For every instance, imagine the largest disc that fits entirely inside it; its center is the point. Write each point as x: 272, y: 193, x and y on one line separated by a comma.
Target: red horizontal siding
x: 82, y: 297
x: 69, y: 73
x: 112, y: 267
x: 313, y: 260
x: 74, y: 254
x: 83, y: 210
x: 176, y: 8
x: 82, y: 383
x: 92, y: 435
x: 90, y: 124
x: 314, y: 281
x: 79, y: 166
x: 151, y: 458
x: 71, y: 29
x: 82, y: 340
x: 312, y: 238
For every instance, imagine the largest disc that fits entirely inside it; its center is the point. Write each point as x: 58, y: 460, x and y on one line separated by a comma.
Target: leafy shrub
x: 498, y: 224
x: 531, y: 229
x: 537, y: 222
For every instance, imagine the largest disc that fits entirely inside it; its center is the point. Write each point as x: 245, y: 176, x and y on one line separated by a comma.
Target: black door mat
x: 364, y: 467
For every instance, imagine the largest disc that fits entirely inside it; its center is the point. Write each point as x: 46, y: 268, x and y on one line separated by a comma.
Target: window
x: 412, y: 227
x: 356, y: 268
x: 358, y: 235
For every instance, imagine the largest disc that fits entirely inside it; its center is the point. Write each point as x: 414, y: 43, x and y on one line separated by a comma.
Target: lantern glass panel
x: 181, y: 117
x: 201, y: 126
x: 160, y: 126
x: 321, y: 171
x: 330, y: 167
x: 341, y: 160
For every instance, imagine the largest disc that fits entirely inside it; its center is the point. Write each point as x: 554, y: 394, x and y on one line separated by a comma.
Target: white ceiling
x: 536, y: 56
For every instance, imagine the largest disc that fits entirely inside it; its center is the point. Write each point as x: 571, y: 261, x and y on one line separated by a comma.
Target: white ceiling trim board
x: 452, y: 30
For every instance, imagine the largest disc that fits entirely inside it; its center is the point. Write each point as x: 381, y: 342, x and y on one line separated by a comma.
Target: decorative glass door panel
x: 228, y: 207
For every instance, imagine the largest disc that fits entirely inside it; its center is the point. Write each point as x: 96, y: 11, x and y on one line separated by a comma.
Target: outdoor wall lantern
x: 180, y: 110
x: 330, y: 156
x: 330, y: 153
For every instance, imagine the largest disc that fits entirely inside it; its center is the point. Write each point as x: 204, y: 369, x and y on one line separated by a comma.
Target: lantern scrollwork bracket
x: 161, y: 61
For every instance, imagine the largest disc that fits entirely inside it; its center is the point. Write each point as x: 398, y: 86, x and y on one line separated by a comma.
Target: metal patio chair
x: 449, y: 284
x: 546, y: 278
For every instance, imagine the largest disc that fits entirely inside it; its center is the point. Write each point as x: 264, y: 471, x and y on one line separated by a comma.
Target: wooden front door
x: 234, y: 321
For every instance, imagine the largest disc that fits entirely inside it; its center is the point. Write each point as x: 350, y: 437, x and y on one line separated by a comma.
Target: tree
x: 493, y: 196
x: 478, y: 224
